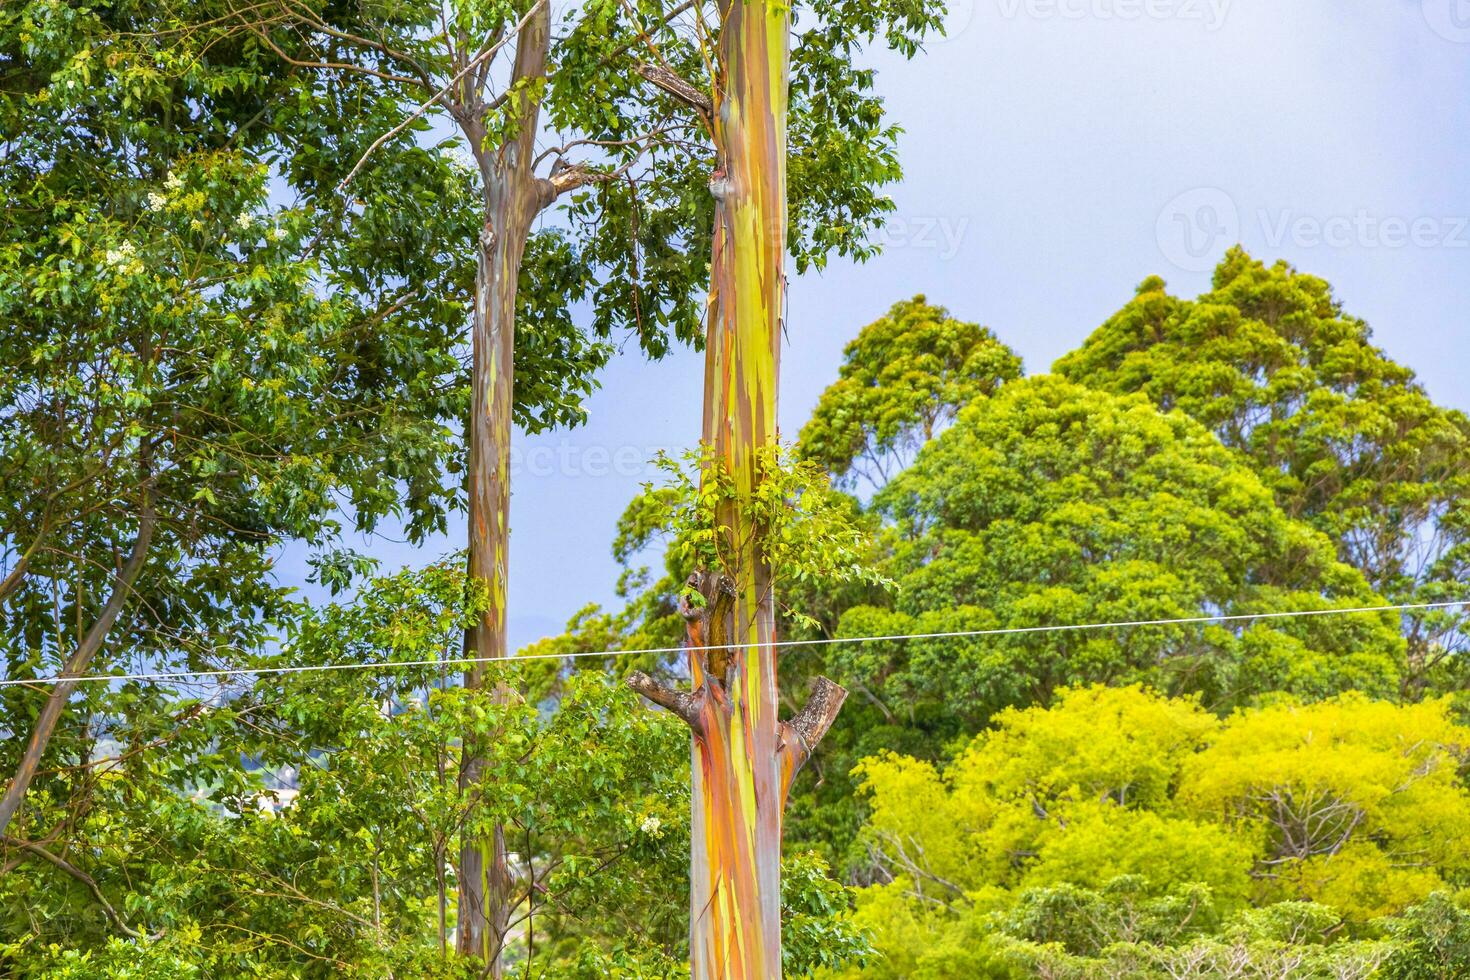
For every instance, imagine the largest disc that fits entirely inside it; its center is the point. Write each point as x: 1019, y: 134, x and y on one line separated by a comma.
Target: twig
x: 424, y: 107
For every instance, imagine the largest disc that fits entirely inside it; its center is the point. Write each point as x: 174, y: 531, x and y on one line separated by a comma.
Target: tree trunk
x: 513, y: 197
x: 77, y: 663
x: 484, y: 875
x: 735, y: 865
x: 743, y: 758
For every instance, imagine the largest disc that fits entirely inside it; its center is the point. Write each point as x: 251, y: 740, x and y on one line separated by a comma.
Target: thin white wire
x: 956, y: 634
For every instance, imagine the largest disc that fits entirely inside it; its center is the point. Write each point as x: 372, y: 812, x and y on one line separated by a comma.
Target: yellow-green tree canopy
x: 1119, y: 826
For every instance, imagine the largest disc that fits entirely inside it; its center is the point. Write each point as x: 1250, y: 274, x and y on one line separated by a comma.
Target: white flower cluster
x: 652, y: 826
x: 123, y: 259
x: 461, y: 158
x: 156, y: 201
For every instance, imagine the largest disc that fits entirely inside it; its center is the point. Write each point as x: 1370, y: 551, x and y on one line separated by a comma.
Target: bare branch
x: 305, y: 14
x: 424, y: 107
x: 680, y: 703
x: 265, y: 38
x: 813, y: 720
x: 678, y: 87
x: 62, y: 863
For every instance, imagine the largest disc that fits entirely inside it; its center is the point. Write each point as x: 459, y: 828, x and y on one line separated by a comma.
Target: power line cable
x: 831, y: 641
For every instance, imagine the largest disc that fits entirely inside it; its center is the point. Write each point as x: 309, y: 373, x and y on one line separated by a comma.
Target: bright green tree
x: 1359, y: 804
x: 1344, y: 436
x: 1053, y: 504
x: 1078, y: 794
x: 903, y: 379
x: 1120, y: 833
x: 187, y: 384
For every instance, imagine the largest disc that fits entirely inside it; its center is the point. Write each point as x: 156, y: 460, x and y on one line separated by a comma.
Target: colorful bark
x: 735, y: 868
x: 513, y: 197
x: 743, y: 757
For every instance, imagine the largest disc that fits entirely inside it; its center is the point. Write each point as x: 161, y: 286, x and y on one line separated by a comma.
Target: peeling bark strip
x: 680, y: 89
x: 743, y: 757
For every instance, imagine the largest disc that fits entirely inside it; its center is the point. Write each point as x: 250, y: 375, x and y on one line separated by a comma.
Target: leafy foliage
x: 806, y: 531
x: 1120, y: 833
x: 1050, y: 503
x: 188, y: 385
x: 1343, y: 435
x: 903, y: 378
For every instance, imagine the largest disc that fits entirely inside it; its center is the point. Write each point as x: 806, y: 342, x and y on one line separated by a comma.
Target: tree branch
x: 671, y: 83
x: 17, y: 574
x: 428, y: 103
x: 265, y: 39
x: 801, y: 735
x: 681, y: 703
x: 62, y: 863
x: 77, y: 663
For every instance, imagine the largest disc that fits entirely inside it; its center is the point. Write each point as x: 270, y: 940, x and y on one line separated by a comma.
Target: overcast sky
x: 1056, y: 152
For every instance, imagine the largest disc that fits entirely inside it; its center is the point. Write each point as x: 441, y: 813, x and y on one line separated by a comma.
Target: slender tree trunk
x: 77, y: 663
x: 735, y: 866
x: 743, y: 757
x: 513, y: 197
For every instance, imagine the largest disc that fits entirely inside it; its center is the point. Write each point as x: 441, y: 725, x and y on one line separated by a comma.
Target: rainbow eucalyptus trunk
x: 513, y: 197
x: 743, y: 757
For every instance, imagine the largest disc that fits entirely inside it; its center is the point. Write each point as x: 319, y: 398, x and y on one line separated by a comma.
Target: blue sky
x: 1057, y: 152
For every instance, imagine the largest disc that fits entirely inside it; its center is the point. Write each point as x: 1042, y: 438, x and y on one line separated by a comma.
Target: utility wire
x: 832, y: 641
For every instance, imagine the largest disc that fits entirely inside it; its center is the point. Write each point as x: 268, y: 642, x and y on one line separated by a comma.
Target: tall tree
x: 612, y: 92
x: 1049, y: 503
x: 186, y: 386
x: 903, y: 379
x: 744, y: 757
x: 1344, y: 435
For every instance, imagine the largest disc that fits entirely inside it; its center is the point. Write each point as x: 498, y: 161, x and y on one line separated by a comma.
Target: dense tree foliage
x: 1345, y: 436
x: 1121, y: 833
x: 237, y: 270
x: 1048, y: 503
x: 1052, y: 504
x: 306, y: 825
x: 903, y: 379
x: 187, y: 384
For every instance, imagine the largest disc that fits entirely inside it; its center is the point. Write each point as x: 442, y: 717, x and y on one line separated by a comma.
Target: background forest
x: 232, y: 321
